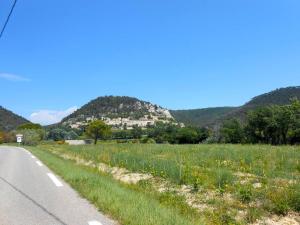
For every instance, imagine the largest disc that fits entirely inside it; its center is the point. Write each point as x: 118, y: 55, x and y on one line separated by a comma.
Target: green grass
x: 123, y: 203
x: 209, y: 168
x: 184, y: 164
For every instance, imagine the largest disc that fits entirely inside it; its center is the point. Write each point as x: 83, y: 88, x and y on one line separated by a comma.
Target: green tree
x: 275, y: 124
x: 121, y: 134
x: 136, y: 132
x: 232, y: 131
x: 294, y: 131
x: 283, y: 119
x: 98, y: 129
x: 32, y: 136
x: 257, y: 123
x: 31, y: 126
x: 187, y: 135
x: 57, y: 134
x: 71, y: 135
x: 203, y: 134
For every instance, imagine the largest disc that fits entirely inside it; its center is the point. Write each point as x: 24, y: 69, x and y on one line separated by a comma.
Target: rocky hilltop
x: 120, y: 112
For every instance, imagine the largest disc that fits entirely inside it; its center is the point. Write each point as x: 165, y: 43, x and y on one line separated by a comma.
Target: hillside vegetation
x: 214, y: 117
x: 281, y: 96
x: 118, y: 111
x: 201, y: 117
x: 10, y: 121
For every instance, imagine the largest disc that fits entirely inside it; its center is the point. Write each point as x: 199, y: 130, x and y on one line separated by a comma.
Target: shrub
x: 223, y: 177
x: 252, y: 215
x: 232, y: 131
x: 134, y: 141
x: 57, y: 134
x: 147, y: 140
x: 71, y: 135
x: 284, y: 200
x: 245, y: 193
x: 62, y: 142
x: 31, y: 137
x: 1, y: 137
x: 294, y: 197
x: 279, y: 201
x: 122, y: 141
x: 30, y: 126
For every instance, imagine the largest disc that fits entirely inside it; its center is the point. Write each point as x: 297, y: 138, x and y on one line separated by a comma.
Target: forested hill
x: 280, y: 96
x: 10, y: 121
x: 200, y: 117
x: 118, y: 111
x: 215, y: 116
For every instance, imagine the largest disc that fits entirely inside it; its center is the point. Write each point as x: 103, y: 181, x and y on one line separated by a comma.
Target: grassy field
x: 125, y: 204
x: 209, y: 184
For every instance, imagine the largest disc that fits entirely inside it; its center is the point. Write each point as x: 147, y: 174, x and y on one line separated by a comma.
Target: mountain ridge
x: 280, y: 96
x: 125, y: 112
x: 9, y: 120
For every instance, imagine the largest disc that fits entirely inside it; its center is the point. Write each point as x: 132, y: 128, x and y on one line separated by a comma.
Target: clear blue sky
x: 176, y: 53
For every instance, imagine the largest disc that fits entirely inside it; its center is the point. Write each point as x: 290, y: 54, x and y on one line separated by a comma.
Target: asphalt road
x: 31, y: 194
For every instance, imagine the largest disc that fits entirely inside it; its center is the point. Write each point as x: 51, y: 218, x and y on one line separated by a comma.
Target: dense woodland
x: 269, y: 125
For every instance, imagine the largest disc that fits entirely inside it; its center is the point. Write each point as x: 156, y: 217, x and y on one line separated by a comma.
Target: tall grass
x: 183, y: 164
x: 213, y: 167
x: 126, y: 205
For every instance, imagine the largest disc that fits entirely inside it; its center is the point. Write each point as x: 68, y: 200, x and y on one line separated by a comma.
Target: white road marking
x: 94, y: 223
x: 39, y: 163
x: 55, y: 180
x: 26, y: 151
x: 33, y: 156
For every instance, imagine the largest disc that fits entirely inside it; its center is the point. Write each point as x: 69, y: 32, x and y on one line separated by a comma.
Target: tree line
x: 276, y: 125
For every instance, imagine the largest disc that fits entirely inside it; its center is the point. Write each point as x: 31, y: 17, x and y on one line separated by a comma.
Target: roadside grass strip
x: 122, y: 203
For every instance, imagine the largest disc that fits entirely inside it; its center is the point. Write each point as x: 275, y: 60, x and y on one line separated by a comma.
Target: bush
x: 62, y: 142
x: 57, y: 134
x: 245, y: 193
x: 71, y: 135
x: 134, y: 141
x: 7, y: 137
x: 30, y: 126
x: 232, y: 131
x: 294, y: 199
x: 1, y: 137
x: 122, y: 141
x: 31, y: 137
x: 282, y: 200
x: 252, y: 215
x: 147, y: 140
x: 223, y: 177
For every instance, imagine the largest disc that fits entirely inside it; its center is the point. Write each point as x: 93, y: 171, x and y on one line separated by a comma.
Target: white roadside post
x: 19, y: 138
